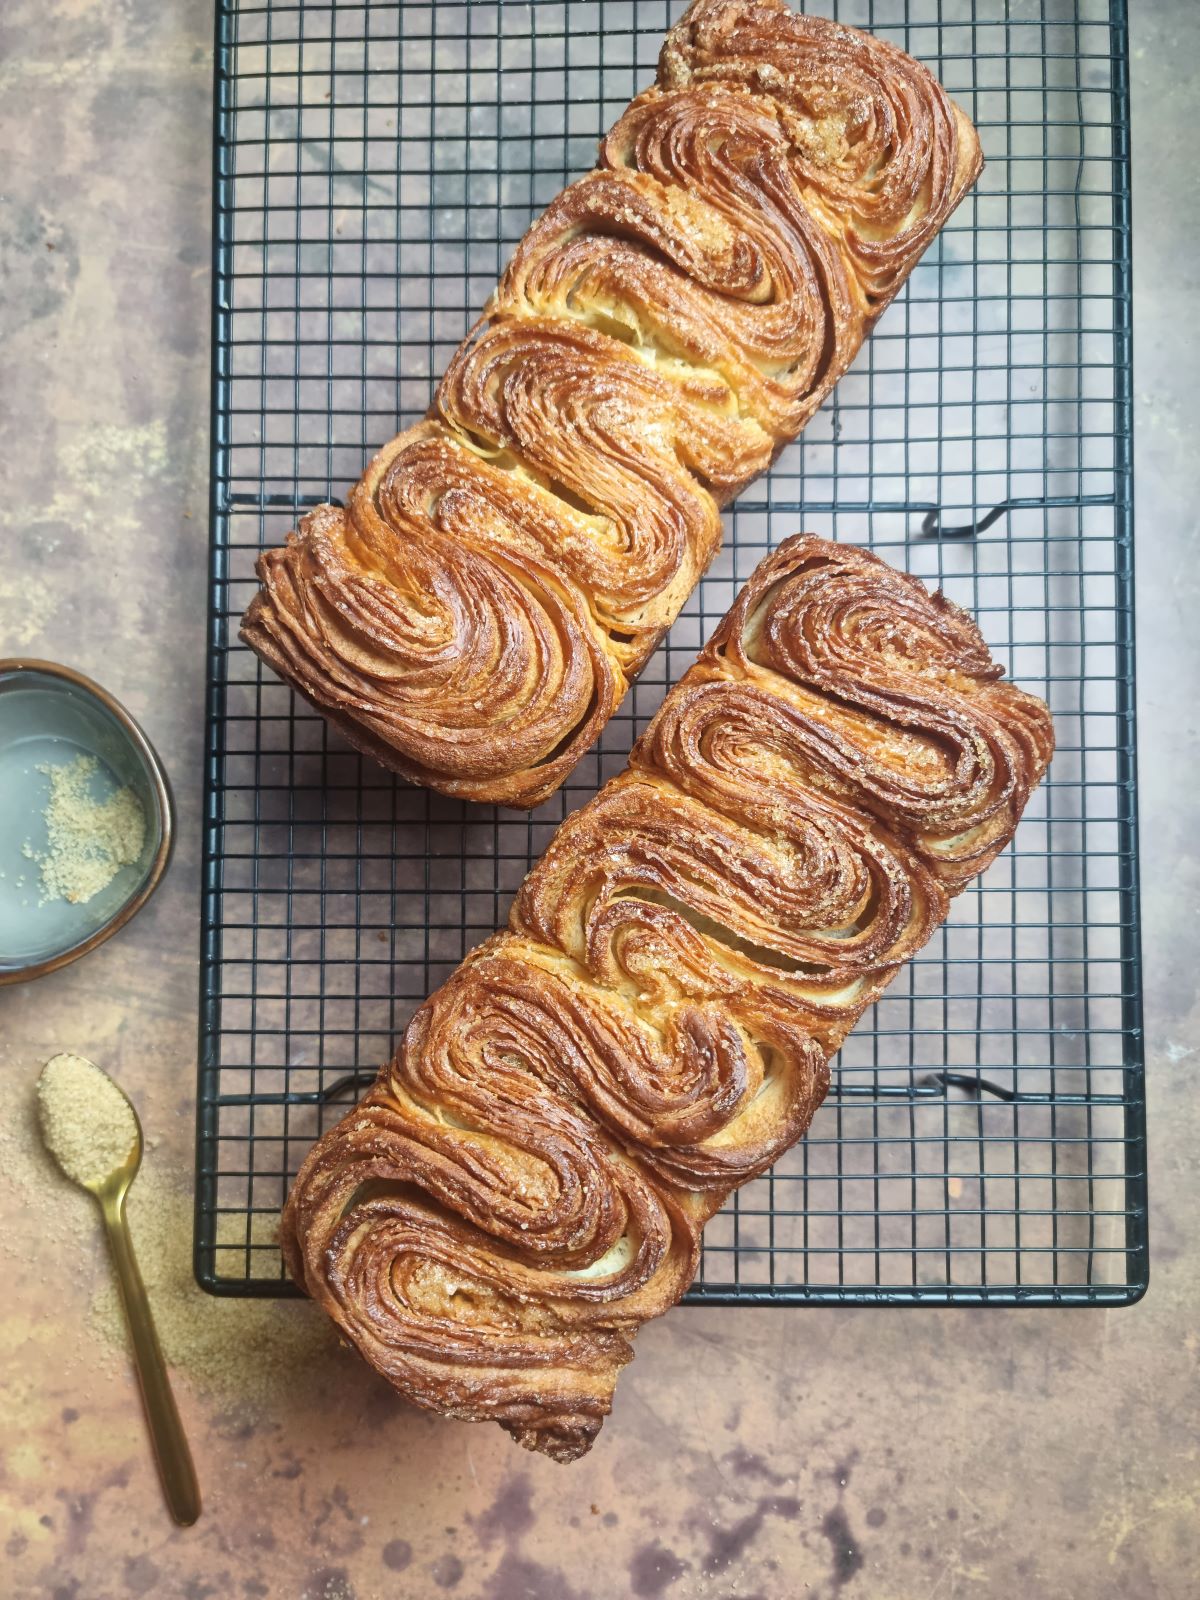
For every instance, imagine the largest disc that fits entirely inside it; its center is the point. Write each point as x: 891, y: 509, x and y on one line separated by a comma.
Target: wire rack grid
x: 375, y: 165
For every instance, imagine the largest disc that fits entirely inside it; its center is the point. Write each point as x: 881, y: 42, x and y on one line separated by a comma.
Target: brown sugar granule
x: 240, y: 1350
x: 250, y: 1355
x: 87, y: 1123
x: 89, y: 840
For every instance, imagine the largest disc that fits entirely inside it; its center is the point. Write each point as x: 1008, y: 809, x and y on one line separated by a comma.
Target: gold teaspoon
x: 86, y: 1120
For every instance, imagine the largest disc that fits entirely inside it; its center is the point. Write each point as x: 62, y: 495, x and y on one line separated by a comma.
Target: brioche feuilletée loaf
x: 527, y: 1181
x: 475, y: 614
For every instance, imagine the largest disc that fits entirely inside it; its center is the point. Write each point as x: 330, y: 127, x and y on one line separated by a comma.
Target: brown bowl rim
x: 9, y: 667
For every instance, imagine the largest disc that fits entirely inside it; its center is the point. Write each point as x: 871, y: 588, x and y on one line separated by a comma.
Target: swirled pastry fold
x: 527, y: 1181
x: 475, y: 614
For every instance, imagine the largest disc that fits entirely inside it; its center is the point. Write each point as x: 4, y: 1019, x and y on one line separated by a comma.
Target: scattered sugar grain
x: 248, y: 1354
x: 87, y: 1123
x: 252, y: 1351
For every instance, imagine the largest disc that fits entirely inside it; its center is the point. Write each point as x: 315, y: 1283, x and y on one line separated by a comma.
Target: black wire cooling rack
x: 375, y: 165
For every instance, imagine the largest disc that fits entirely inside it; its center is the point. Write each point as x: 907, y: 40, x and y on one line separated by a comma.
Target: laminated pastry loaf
x: 526, y: 1182
x: 475, y: 614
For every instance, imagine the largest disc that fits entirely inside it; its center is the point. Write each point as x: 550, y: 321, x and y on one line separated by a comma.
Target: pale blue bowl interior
x: 46, y: 722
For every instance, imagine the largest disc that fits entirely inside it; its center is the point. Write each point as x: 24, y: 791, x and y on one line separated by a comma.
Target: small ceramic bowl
x: 49, y: 716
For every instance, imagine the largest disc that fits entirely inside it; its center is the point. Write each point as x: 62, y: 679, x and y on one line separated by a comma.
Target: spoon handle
x: 171, y: 1451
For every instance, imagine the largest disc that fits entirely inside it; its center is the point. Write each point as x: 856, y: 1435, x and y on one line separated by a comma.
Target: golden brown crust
x: 527, y: 1181
x: 475, y: 614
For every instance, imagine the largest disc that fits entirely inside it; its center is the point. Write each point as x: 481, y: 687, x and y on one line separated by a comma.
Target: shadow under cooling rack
x: 374, y: 167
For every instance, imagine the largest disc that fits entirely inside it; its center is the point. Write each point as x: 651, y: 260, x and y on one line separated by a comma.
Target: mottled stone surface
x: 780, y: 1454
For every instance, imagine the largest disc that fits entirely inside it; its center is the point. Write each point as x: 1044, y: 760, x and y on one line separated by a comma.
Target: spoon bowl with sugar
x: 92, y: 1131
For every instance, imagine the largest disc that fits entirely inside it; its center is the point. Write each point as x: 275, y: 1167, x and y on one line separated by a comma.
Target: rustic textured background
x: 770, y: 1453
